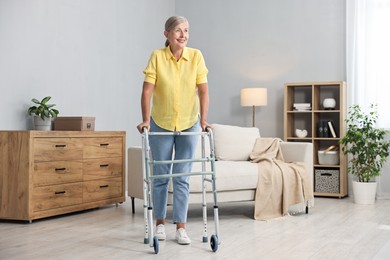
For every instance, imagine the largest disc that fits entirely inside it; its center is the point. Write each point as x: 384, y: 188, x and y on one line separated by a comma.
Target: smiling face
x: 178, y: 36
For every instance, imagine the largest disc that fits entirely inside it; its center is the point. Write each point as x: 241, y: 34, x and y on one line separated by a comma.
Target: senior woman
x: 176, y: 82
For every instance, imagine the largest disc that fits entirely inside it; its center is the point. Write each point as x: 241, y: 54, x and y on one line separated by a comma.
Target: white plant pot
x: 364, y: 192
x: 41, y: 124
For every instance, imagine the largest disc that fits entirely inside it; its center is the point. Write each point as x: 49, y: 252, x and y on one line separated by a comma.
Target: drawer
x: 102, y: 147
x: 102, y: 168
x: 59, y: 172
x: 57, y: 149
x: 56, y: 196
x: 102, y: 189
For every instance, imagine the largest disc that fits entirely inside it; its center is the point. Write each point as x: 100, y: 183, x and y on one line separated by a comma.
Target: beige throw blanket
x: 281, y: 184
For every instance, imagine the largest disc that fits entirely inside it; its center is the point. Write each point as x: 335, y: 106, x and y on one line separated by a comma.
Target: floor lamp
x: 253, y: 97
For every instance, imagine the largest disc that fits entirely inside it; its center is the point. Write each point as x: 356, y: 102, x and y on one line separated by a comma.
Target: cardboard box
x: 76, y: 123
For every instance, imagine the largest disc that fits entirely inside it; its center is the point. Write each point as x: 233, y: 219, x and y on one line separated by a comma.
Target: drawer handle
x: 60, y: 145
x: 59, y: 192
x: 104, y: 165
x: 104, y: 186
x: 326, y: 174
x: 60, y: 169
x: 104, y: 145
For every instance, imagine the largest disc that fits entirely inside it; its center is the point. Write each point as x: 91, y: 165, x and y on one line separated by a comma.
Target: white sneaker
x: 182, y: 237
x: 160, y: 232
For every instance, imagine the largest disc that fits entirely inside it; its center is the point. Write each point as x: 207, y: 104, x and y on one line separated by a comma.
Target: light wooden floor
x: 334, y: 229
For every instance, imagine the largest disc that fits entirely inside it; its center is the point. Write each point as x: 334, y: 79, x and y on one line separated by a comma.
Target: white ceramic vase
x: 364, y: 192
x: 329, y: 103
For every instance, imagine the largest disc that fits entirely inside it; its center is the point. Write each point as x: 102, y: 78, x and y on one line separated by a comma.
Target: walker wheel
x: 155, y: 244
x: 214, y: 243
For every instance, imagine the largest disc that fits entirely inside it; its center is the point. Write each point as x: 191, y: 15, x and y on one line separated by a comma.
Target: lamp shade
x: 253, y: 97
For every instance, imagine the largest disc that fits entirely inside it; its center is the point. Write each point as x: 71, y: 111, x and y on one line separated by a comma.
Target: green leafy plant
x: 365, y: 143
x: 43, y: 109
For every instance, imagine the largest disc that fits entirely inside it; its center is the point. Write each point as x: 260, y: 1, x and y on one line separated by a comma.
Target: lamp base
x: 253, y: 116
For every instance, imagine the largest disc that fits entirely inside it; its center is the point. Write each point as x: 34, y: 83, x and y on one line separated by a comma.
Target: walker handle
x: 144, y: 130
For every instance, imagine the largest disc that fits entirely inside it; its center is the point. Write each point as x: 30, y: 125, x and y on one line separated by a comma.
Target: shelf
x: 326, y: 111
x: 323, y: 194
x: 326, y: 138
x: 325, y: 166
x: 314, y: 93
x: 299, y: 138
x: 300, y: 111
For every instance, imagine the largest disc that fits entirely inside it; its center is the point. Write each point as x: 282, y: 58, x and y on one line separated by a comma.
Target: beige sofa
x: 236, y: 175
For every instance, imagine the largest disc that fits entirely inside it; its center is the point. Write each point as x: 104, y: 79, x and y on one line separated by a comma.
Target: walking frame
x: 207, y: 176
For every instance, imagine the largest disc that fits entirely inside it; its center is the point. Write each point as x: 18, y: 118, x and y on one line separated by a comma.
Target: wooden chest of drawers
x: 47, y: 173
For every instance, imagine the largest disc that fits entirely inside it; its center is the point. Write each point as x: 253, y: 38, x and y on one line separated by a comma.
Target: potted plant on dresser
x: 368, y: 150
x: 43, y: 114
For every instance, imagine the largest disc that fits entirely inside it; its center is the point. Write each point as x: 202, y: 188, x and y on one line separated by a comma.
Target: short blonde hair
x: 172, y: 22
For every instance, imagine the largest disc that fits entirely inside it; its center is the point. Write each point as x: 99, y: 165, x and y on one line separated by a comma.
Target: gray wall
x: 263, y: 43
x: 88, y: 55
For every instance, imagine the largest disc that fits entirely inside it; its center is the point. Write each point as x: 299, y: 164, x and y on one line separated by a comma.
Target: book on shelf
x: 320, y: 129
x: 331, y: 129
x: 323, y: 129
x: 302, y: 106
x: 326, y: 129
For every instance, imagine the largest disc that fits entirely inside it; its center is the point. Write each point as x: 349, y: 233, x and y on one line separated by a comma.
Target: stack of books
x: 302, y: 106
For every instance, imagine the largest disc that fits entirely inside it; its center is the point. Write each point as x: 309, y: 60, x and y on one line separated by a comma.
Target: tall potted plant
x: 43, y: 113
x: 368, y: 150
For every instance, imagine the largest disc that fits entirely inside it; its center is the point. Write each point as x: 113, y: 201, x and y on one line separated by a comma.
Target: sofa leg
x: 307, y: 207
x: 132, y: 205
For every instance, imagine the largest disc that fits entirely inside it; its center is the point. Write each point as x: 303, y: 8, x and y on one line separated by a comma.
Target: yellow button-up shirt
x: 175, y: 101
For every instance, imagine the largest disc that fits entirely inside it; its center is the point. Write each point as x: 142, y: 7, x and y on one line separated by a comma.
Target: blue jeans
x: 162, y: 147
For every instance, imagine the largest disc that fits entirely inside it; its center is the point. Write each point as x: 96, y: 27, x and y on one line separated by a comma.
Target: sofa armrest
x: 134, y: 172
x: 299, y: 152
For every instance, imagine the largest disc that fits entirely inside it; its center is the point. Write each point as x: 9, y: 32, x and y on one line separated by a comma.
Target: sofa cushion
x: 234, y: 143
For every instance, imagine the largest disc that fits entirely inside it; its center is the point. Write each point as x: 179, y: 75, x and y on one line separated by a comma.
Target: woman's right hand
x: 141, y: 126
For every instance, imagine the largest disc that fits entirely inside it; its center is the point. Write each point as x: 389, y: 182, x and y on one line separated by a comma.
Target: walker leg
x: 146, y: 237
x: 216, y: 215
x: 216, y: 220
x: 150, y: 223
x: 204, y: 238
x: 204, y: 205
